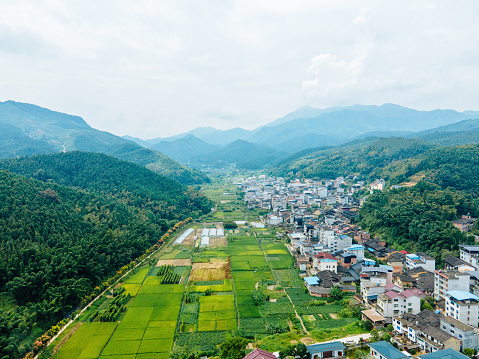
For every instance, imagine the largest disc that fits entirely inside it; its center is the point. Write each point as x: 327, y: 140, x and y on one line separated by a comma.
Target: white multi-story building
x: 463, y: 306
x: 421, y: 260
x: 358, y: 250
x: 325, y: 261
x: 464, y: 332
x: 470, y: 254
x: 445, y: 280
x: 394, y: 303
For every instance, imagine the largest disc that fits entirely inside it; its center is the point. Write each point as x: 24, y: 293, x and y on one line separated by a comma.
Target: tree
x: 368, y: 325
x: 302, y: 351
x: 469, y: 352
x: 183, y: 352
x: 230, y: 225
x: 233, y: 348
x: 288, y: 351
x: 390, y: 328
x: 336, y: 293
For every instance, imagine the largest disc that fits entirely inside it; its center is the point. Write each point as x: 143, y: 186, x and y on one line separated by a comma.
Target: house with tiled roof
x: 327, y: 350
x: 260, y: 354
x: 393, y: 303
x: 444, y: 354
x: 384, y: 350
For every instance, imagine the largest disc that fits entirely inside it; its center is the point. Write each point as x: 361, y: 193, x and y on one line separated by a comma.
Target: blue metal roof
x: 462, y: 295
x: 327, y: 260
x: 355, y: 247
x: 312, y: 280
x: 444, y: 354
x: 387, y: 350
x: 324, y: 347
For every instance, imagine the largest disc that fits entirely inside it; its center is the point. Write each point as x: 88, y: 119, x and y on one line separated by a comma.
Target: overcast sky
x: 157, y: 68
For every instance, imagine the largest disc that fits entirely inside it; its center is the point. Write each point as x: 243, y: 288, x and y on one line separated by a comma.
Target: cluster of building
x: 298, y: 202
x: 378, y: 350
x: 331, y: 252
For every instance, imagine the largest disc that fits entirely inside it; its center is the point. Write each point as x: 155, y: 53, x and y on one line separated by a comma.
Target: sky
x: 158, y: 68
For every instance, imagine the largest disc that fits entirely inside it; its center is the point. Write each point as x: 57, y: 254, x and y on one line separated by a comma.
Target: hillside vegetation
x: 61, y: 234
x: 369, y: 158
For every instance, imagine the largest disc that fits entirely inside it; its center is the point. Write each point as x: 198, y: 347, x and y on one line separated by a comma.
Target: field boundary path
x: 272, y: 271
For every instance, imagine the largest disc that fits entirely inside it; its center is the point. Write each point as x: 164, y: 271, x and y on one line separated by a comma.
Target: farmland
x: 195, y: 296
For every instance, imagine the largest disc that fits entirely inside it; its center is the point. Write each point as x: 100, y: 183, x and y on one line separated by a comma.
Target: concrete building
x: 462, y: 306
x: 420, y: 260
x: 445, y: 281
x: 358, y: 250
x: 384, y: 350
x: 464, y: 332
x: 393, y: 303
x: 470, y: 254
x: 327, y: 350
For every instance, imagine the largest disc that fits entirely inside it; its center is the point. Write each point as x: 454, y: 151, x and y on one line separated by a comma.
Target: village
x: 429, y: 310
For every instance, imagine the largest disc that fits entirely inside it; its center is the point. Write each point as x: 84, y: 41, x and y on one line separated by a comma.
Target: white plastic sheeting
x: 205, y: 241
x: 185, y: 234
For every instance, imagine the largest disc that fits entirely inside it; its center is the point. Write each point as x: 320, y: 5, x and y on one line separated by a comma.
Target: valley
x: 239, y: 280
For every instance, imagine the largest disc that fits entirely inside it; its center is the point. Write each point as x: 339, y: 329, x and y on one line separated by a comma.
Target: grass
x: 88, y: 341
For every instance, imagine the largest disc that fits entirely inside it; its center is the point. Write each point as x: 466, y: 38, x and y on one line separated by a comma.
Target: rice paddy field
x: 249, y: 285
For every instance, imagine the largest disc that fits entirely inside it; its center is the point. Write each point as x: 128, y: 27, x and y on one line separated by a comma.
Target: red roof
x: 404, y: 252
x: 260, y: 354
x: 324, y: 255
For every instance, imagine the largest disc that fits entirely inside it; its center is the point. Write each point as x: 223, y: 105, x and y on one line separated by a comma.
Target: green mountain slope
x: 185, y: 148
x: 242, y: 154
x: 370, y: 158
x: 62, y: 132
x: 61, y: 235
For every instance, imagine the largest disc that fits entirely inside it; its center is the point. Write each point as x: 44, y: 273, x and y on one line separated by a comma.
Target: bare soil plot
x: 210, y: 271
x: 174, y: 262
x: 217, y: 242
x: 333, y: 316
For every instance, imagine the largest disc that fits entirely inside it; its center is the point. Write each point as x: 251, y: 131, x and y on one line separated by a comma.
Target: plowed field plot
x: 210, y: 271
x: 217, y: 242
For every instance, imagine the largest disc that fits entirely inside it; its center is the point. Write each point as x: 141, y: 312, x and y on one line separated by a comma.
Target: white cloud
x: 150, y: 68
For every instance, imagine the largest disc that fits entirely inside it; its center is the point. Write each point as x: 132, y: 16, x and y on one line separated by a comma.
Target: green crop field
x: 288, y: 277
x: 240, y: 265
x: 128, y: 333
x: 138, y: 277
x: 225, y: 287
x: 121, y: 347
x: 88, y: 341
x: 131, y: 289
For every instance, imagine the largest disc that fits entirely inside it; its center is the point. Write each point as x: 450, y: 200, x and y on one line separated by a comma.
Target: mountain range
x: 307, y: 127
x: 27, y: 129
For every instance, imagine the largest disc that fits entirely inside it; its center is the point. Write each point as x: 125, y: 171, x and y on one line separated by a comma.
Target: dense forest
x: 61, y: 235
x: 370, y: 158
x: 113, y: 178
x: 418, y: 218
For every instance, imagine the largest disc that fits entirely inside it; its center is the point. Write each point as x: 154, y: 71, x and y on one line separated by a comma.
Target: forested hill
x: 26, y: 129
x: 371, y: 157
x: 129, y: 183
x: 420, y: 218
x: 60, y: 240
